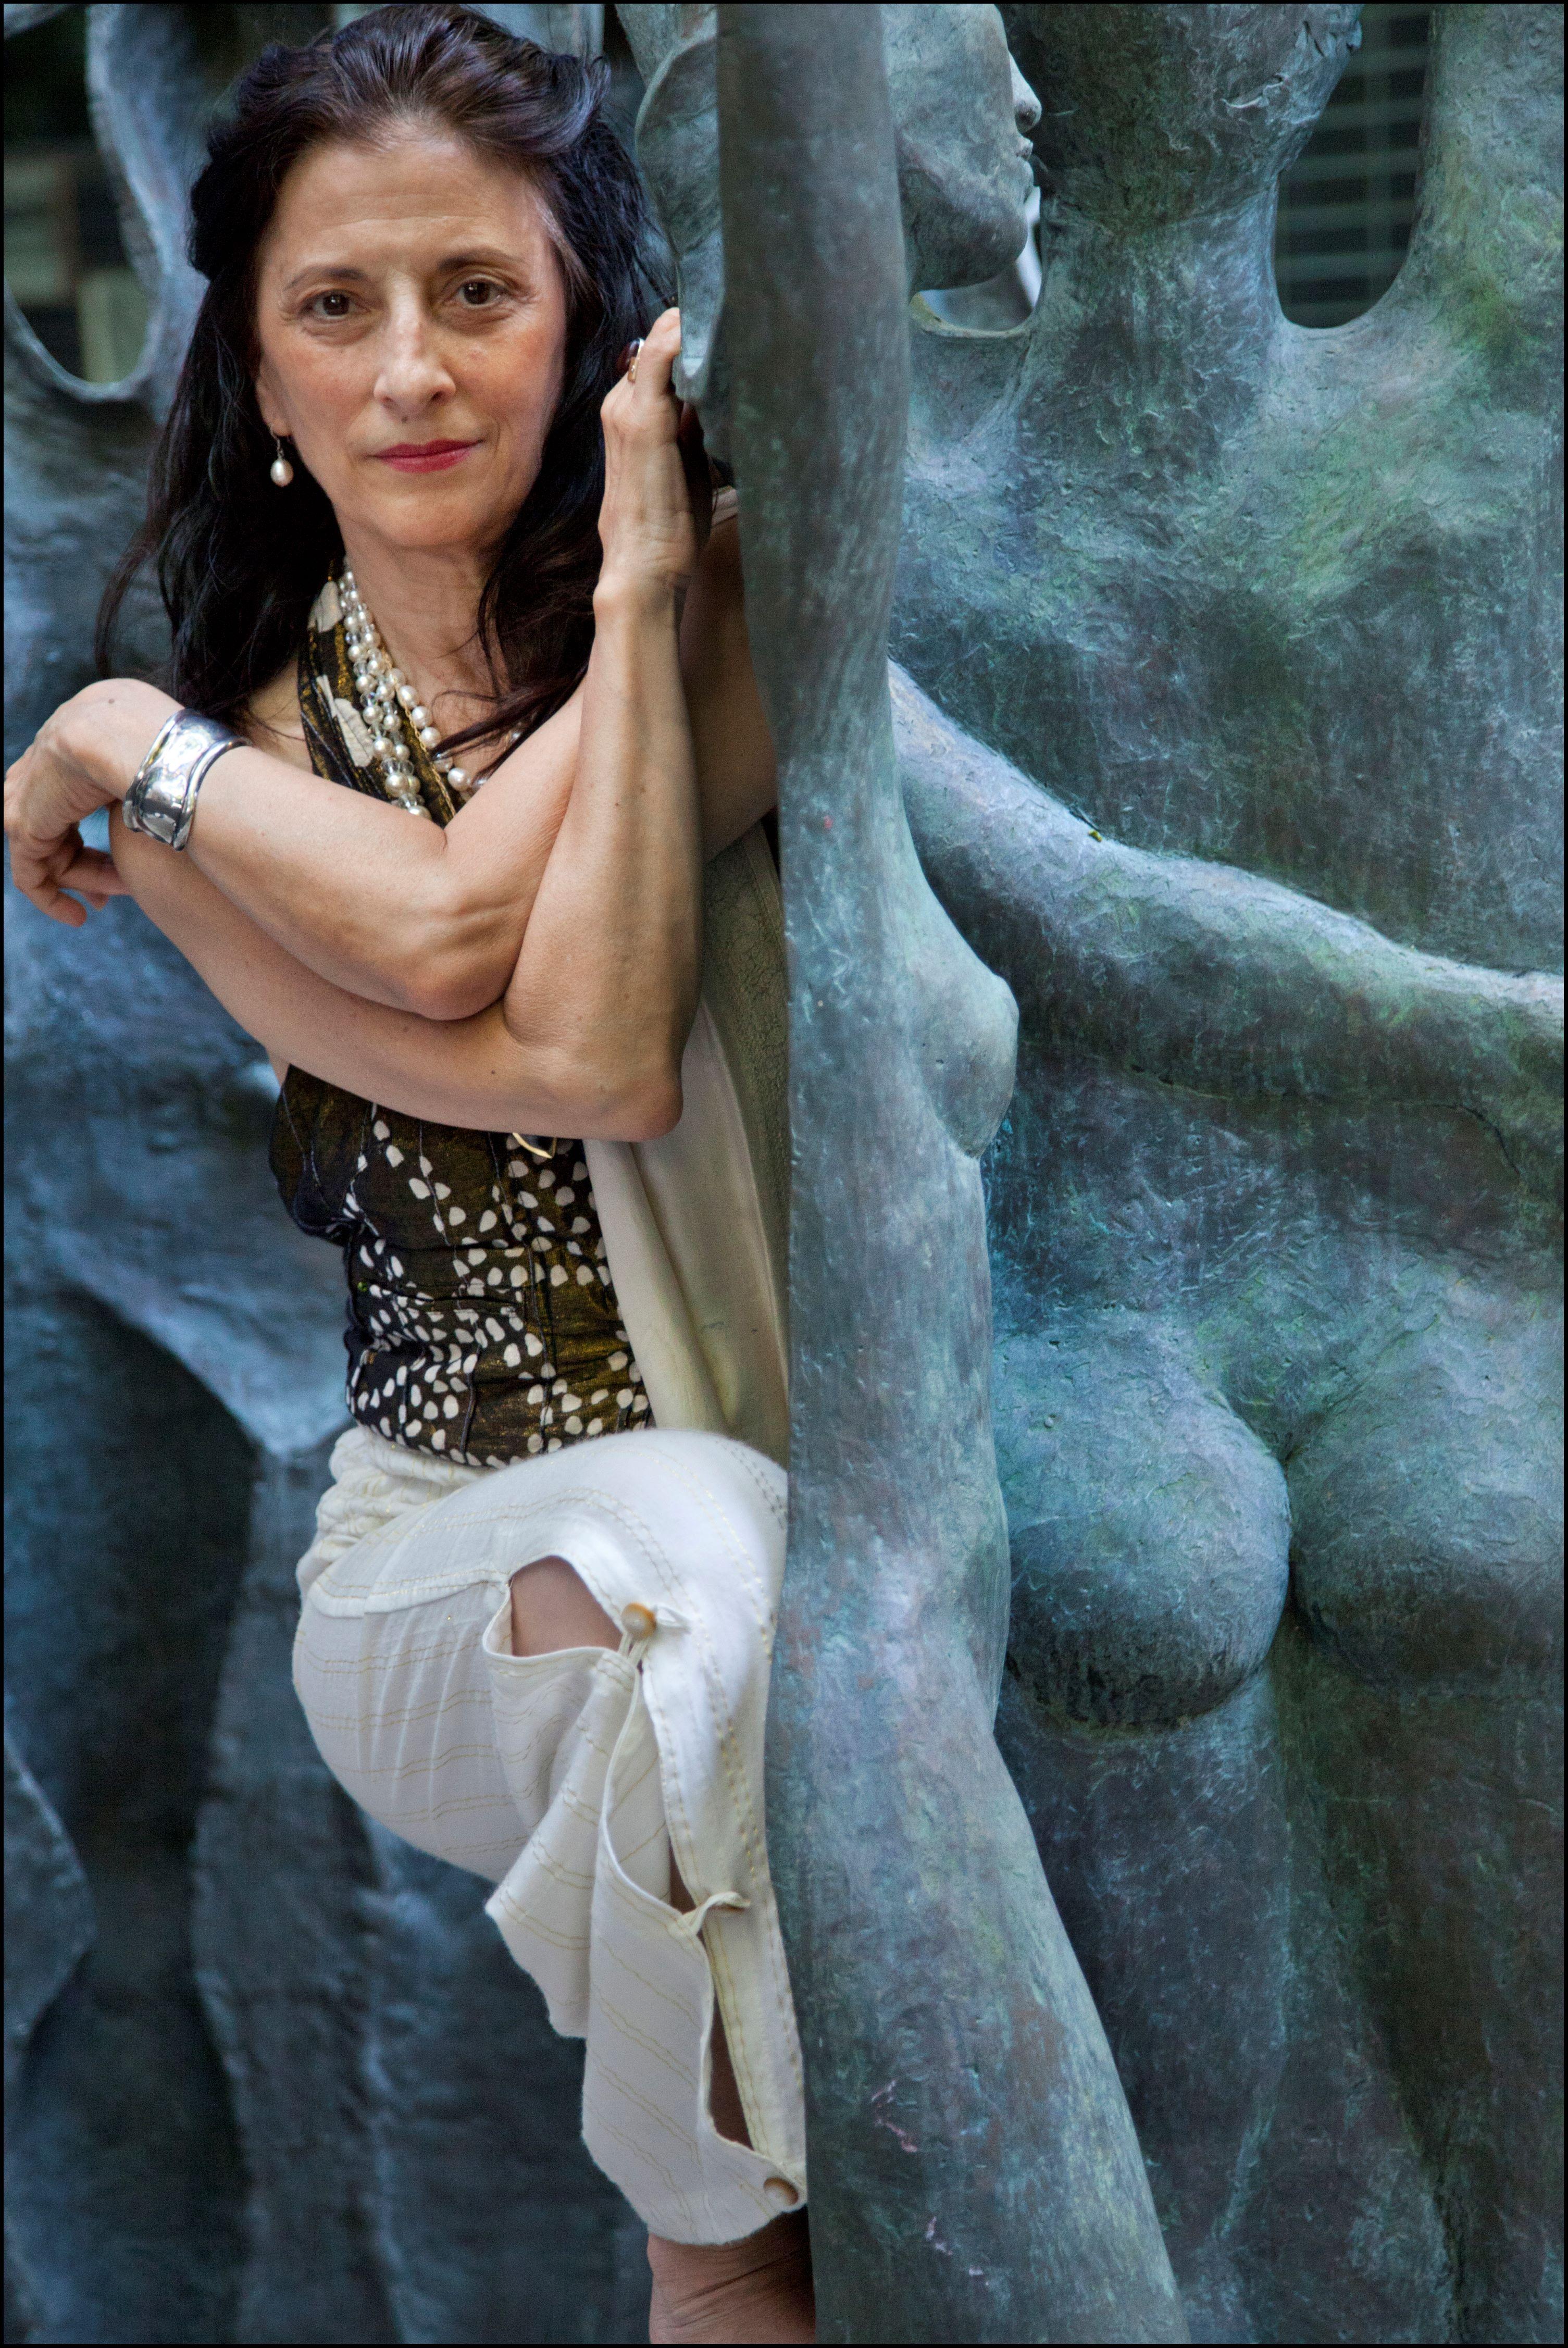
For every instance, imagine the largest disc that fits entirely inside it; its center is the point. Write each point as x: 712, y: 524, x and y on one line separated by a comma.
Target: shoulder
x: 271, y: 719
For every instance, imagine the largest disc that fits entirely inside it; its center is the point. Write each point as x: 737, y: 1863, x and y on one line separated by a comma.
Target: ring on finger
x: 632, y: 362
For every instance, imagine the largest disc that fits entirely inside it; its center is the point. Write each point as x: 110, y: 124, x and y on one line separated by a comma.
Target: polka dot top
x: 482, y: 1319
x: 483, y: 1322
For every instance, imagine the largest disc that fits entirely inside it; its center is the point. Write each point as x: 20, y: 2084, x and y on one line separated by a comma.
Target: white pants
x: 567, y: 1778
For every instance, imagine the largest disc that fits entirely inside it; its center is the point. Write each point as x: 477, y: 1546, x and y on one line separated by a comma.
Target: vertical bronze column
x: 974, y: 2171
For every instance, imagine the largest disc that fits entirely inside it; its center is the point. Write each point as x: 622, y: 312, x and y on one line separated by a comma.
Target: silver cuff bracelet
x: 161, y: 800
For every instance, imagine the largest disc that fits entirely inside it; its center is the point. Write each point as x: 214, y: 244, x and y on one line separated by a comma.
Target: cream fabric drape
x: 567, y: 1779
x: 695, y: 1225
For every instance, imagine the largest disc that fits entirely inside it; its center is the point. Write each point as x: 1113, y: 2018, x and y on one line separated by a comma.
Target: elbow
x: 649, y: 1108
x: 452, y: 987
x: 597, y: 1096
x: 456, y: 970
x: 599, y: 1102
x: 458, y: 956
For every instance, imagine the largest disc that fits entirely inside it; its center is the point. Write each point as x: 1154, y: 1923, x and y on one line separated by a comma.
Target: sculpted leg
x: 1192, y: 1990
x: 1427, y: 1567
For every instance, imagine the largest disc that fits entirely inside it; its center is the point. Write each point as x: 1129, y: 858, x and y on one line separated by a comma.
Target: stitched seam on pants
x: 641, y: 2039
x: 524, y: 1921
x: 520, y: 1514
x: 672, y: 1998
x: 514, y: 1513
x: 376, y: 1673
x: 753, y: 1838
x: 547, y: 1862
x: 404, y: 1653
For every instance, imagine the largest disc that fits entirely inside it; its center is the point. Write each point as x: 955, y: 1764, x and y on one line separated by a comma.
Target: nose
x: 1025, y: 105
x: 412, y: 376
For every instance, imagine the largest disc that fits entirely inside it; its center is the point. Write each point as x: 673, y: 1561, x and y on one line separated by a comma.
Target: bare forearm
x: 398, y: 912
x: 357, y: 890
x: 470, y: 1072
x: 348, y: 885
x: 611, y: 958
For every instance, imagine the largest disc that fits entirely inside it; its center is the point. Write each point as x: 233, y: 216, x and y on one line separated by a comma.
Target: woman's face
x: 409, y: 299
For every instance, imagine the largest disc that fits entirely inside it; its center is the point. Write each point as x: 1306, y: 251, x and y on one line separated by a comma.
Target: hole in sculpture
x: 1002, y: 301
x: 1345, y: 208
x: 66, y: 261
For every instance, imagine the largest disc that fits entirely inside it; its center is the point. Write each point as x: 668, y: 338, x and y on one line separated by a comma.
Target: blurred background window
x: 65, y: 261
x: 1345, y: 212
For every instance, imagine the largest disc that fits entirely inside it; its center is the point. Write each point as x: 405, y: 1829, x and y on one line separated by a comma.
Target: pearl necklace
x: 392, y: 710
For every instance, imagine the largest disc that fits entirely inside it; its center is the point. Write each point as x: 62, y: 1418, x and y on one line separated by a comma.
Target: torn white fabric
x: 568, y: 1778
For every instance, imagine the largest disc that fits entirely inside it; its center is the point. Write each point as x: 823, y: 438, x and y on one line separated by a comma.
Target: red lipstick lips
x: 425, y: 456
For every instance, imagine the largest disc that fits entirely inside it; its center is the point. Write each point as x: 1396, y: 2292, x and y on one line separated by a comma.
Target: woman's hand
x: 653, y: 521
x: 82, y: 758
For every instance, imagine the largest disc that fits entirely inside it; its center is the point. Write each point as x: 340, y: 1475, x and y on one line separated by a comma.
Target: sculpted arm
x: 1203, y: 975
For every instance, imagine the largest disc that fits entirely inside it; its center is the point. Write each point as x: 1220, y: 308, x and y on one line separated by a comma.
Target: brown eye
x: 333, y: 297
x: 481, y: 287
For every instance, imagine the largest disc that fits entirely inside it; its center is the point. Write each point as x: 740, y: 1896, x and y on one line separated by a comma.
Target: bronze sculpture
x: 1236, y: 1317
x: 1150, y: 1526
x: 1260, y: 974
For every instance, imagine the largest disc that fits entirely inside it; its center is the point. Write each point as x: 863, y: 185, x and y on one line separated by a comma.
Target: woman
x: 416, y: 537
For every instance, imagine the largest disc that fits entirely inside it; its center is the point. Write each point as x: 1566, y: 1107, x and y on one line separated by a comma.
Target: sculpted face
x: 409, y: 295
x: 960, y: 113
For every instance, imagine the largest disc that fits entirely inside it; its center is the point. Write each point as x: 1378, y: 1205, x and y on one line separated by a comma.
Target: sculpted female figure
x: 1275, y: 1227
x: 475, y: 713
x: 1344, y: 1354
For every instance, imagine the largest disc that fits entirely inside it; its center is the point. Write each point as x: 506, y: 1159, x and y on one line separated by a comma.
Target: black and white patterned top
x: 482, y: 1319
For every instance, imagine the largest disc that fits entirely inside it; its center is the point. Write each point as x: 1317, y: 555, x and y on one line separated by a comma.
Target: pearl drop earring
x: 280, y: 471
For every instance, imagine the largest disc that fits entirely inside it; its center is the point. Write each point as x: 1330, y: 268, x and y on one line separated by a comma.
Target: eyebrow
x: 486, y: 257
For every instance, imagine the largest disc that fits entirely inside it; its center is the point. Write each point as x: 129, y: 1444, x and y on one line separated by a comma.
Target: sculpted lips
x: 425, y: 456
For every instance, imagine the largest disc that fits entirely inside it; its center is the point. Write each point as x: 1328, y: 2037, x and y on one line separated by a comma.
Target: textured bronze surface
x: 1226, y: 726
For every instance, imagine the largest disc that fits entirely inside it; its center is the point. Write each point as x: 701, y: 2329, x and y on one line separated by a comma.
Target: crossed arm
x: 535, y: 966
x: 488, y: 977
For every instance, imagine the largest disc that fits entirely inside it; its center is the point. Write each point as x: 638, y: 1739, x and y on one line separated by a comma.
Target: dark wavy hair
x: 238, y: 565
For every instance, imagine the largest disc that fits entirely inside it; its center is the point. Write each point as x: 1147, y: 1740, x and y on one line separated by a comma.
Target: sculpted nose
x: 1025, y: 105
